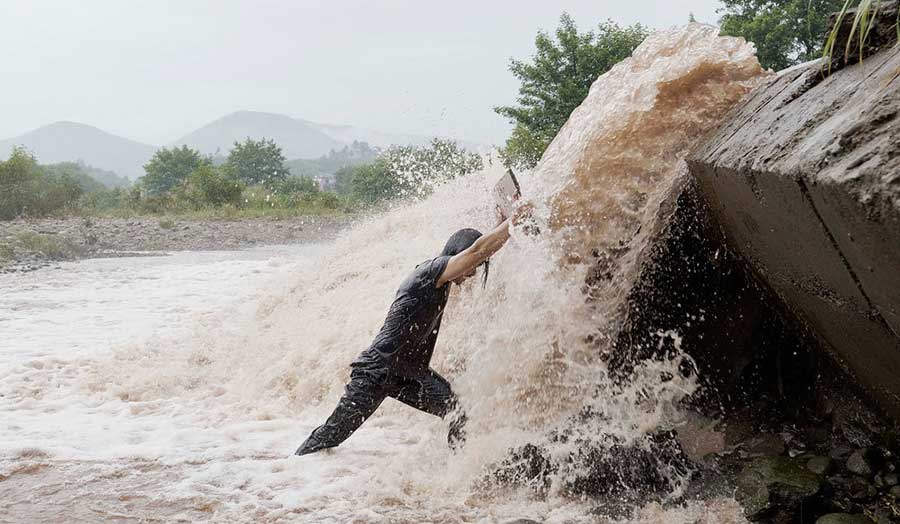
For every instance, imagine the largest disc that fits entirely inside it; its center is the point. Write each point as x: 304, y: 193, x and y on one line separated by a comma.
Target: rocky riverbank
x: 30, y: 244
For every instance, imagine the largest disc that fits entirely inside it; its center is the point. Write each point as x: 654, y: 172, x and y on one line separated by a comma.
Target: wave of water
x: 209, y: 417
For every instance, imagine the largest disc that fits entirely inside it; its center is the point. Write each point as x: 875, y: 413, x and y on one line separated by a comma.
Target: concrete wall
x: 804, y: 180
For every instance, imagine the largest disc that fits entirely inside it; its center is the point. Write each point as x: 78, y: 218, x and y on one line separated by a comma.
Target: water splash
x: 524, y: 355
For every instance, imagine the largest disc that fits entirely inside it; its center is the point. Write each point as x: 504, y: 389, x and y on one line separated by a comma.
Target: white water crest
x: 196, y: 419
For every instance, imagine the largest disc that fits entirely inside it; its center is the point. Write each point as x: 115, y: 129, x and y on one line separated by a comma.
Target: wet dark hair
x: 462, y: 240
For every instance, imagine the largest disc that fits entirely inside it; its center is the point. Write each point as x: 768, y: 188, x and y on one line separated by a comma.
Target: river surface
x: 175, y: 389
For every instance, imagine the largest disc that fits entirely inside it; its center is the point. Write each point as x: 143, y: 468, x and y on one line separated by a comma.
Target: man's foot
x: 311, y: 445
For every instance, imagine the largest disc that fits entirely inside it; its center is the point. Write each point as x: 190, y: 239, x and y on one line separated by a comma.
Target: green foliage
x: 19, y: 177
x: 55, y: 247
x: 405, y: 171
x: 866, y: 11
x: 557, y: 80
x: 170, y: 167
x: 28, y: 189
x: 355, y: 154
x: 89, y: 177
x: 786, y: 32
x: 77, y: 173
x: 211, y: 186
x: 109, y: 199
x: 524, y: 148
x: 373, y: 183
x: 260, y: 197
x: 296, y: 184
x: 256, y: 162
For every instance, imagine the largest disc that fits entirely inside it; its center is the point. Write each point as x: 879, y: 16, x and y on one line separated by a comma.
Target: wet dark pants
x: 428, y: 392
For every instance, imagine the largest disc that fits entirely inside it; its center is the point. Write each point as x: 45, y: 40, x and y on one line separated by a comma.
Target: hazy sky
x: 155, y: 70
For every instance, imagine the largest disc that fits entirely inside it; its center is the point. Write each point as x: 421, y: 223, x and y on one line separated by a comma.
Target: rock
x: 840, y: 452
x: 523, y: 521
x: 820, y: 465
x: 854, y: 488
x: 764, y: 445
x: 859, y: 463
x: 843, y: 518
x: 883, y: 515
x: 652, y: 466
x: 776, y: 485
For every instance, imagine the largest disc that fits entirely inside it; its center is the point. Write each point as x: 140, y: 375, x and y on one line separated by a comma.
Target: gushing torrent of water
x: 210, y: 417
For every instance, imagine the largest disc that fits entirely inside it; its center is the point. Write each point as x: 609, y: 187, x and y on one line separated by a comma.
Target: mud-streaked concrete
x: 804, y: 181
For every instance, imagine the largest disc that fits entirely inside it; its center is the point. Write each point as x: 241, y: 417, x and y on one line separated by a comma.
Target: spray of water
x: 524, y: 355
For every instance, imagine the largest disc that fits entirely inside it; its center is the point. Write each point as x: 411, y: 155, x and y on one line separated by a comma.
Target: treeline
x: 253, y: 178
x: 28, y: 189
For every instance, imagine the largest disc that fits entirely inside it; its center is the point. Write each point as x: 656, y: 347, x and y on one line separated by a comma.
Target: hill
x: 297, y: 138
x: 71, y: 141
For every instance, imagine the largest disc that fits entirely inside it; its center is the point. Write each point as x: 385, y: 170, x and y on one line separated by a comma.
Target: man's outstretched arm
x: 486, y: 245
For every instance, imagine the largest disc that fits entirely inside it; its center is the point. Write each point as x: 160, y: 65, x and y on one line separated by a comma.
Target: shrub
x: 26, y: 189
x: 211, y: 186
x: 169, y: 168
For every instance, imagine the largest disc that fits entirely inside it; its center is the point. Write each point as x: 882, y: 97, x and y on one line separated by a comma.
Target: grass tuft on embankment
x: 19, y: 243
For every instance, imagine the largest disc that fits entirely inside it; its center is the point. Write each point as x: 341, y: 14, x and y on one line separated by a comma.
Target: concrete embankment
x: 804, y: 181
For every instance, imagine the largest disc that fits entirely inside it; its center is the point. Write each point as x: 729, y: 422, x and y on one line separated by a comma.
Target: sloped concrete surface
x: 804, y: 180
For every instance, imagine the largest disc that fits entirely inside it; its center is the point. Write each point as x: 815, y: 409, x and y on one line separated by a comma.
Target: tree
x: 257, y: 162
x: 28, y: 189
x: 373, y: 183
x: 557, y: 80
x: 212, y: 186
x: 170, y: 167
x: 19, y: 176
x: 419, y: 169
x: 296, y: 184
x: 405, y: 171
x: 786, y: 32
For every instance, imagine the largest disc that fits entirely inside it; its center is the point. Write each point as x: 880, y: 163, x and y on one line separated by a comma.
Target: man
x: 397, y: 363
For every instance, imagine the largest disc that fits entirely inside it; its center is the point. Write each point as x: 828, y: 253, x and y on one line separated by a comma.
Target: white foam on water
x: 205, y: 374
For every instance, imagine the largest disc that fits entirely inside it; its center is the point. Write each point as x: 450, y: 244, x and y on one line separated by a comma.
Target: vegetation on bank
x: 785, y: 32
x: 13, y: 244
x: 253, y: 181
x: 557, y: 80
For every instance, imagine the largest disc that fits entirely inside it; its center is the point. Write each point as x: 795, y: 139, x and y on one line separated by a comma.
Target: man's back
x: 405, y: 343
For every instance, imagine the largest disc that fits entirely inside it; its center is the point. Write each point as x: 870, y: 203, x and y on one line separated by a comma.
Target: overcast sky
x: 155, y: 70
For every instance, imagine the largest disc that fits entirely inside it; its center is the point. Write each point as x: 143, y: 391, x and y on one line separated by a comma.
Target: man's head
x: 459, y: 242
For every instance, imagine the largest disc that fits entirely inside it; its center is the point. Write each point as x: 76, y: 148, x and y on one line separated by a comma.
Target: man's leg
x: 362, y: 396
x: 431, y: 393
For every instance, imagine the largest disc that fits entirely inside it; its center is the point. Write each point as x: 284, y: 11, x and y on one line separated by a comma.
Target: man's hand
x: 523, y: 212
x: 499, y: 215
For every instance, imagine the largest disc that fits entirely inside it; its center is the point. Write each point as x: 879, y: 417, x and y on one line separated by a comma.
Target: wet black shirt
x: 406, y: 340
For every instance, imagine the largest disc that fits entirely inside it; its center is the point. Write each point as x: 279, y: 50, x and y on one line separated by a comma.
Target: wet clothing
x: 365, y: 392
x: 396, y: 364
x: 406, y: 340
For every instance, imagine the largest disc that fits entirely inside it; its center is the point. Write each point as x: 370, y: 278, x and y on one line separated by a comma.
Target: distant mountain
x: 297, y: 138
x: 310, y: 146
x: 70, y: 141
